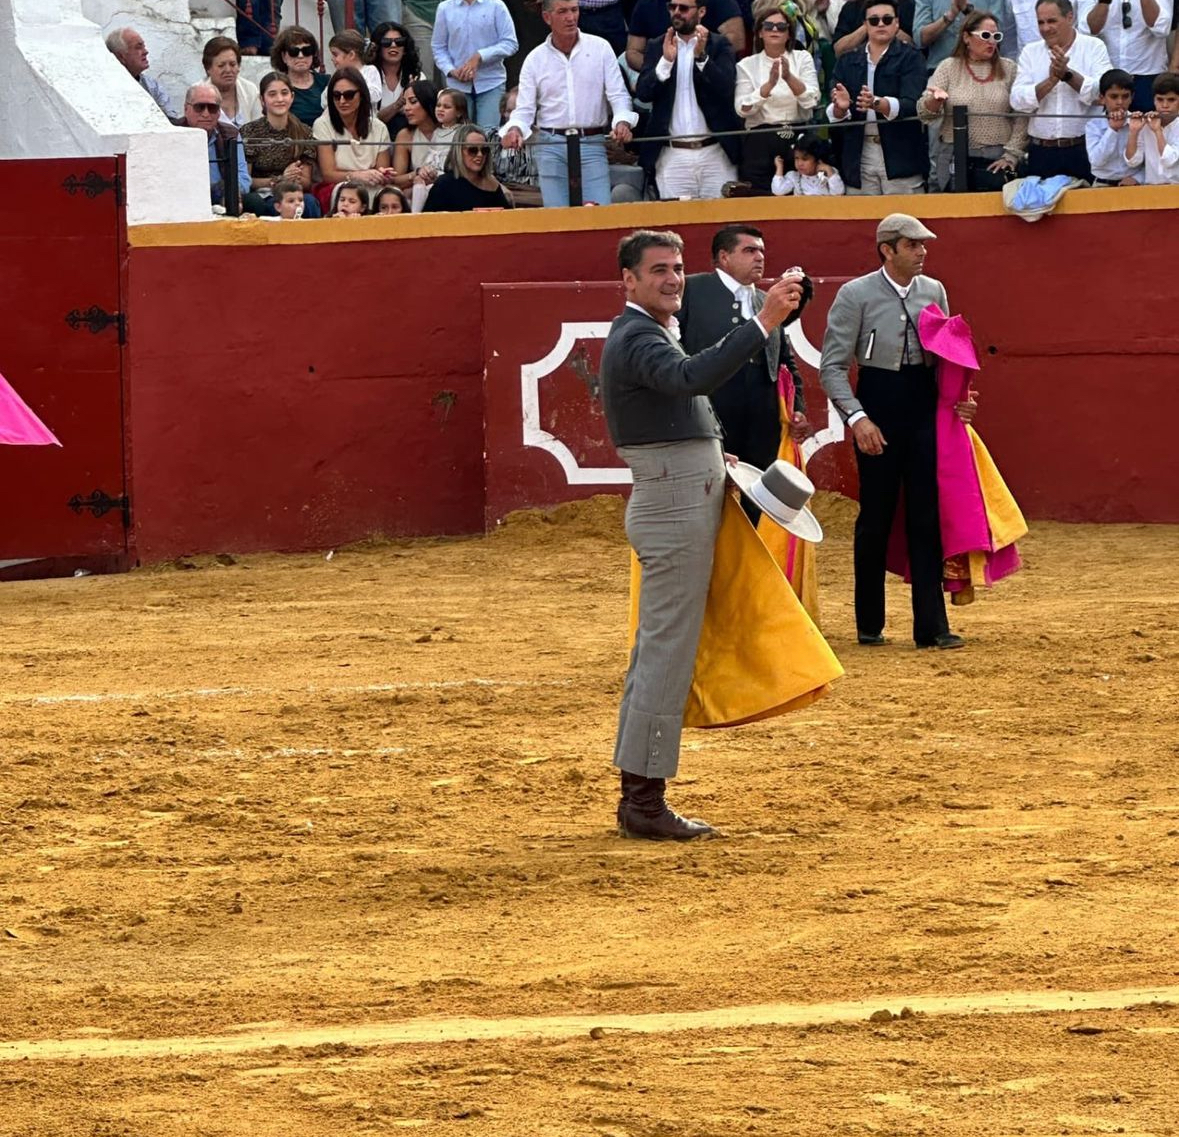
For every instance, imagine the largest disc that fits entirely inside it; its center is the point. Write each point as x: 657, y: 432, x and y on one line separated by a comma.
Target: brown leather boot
x: 643, y: 813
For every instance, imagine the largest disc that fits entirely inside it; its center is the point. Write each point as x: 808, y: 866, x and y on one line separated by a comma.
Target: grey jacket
x: 867, y: 325
x: 653, y: 392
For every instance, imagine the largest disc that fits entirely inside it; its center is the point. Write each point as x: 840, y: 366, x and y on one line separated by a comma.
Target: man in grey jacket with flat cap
x: 873, y: 324
x: 655, y: 398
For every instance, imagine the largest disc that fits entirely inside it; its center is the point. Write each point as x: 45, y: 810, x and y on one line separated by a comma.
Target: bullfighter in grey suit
x: 873, y: 323
x: 655, y: 400
x: 716, y: 302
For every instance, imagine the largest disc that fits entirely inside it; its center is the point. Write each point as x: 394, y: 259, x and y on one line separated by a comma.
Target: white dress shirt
x: 742, y: 292
x: 894, y: 105
x: 1141, y: 48
x: 687, y: 119
x: 782, y: 105
x: 584, y: 88
x: 1026, y: 28
x: 1088, y: 58
x: 1107, y: 151
x: 1161, y: 169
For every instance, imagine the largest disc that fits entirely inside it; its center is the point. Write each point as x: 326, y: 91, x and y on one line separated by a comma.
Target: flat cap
x: 902, y: 225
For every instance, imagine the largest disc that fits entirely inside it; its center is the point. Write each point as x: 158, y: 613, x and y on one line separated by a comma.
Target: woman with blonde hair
x: 978, y: 77
x: 468, y: 182
x: 776, y: 87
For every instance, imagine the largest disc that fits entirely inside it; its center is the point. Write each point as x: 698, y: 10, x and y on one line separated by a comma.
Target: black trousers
x: 902, y: 404
x: 1049, y: 161
x: 747, y: 406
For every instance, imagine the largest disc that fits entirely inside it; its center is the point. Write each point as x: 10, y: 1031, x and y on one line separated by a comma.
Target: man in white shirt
x: 1135, y: 35
x: 690, y: 80
x: 1056, y: 82
x: 572, y: 81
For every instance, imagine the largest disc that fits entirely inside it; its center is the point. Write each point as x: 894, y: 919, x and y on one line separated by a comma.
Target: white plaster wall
x: 66, y: 96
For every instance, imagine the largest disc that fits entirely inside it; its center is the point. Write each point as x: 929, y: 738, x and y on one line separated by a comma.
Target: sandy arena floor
x: 291, y: 846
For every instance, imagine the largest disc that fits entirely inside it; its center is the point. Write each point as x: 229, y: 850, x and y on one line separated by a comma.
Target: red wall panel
x: 298, y: 395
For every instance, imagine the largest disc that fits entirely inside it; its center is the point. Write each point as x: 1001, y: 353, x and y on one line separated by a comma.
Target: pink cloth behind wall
x: 18, y: 425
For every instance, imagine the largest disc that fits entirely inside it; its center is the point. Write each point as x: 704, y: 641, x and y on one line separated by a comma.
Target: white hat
x: 781, y: 493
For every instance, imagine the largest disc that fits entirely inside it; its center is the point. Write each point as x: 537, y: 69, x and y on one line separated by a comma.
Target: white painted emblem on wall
x: 576, y: 475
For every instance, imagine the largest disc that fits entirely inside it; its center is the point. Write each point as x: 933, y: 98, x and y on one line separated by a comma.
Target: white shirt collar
x: 732, y: 284
x: 673, y: 325
x: 901, y: 290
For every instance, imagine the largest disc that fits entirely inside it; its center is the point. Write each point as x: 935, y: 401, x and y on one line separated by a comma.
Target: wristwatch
x: 1067, y: 76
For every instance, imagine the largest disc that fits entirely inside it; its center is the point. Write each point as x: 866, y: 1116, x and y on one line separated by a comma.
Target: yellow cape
x: 760, y: 654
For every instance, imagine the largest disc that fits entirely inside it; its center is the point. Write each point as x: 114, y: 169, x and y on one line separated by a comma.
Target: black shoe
x: 643, y: 813
x: 866, y: 640
x: 945, y: 642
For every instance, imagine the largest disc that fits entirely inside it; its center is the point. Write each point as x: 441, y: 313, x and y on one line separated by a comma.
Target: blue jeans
x: 369, y: 14
x: 484, y: 107
x: 552, y: 164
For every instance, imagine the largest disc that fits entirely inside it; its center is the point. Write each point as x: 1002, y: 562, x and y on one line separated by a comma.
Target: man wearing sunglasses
x: 1056, y: 82
x: 1135, y: 35
x: 202, y: 111
x: 876, y: 87
x: 690, y: 79
x: 650, y: 19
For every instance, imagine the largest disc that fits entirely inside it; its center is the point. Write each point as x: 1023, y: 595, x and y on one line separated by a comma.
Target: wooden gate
x: 62, y: 248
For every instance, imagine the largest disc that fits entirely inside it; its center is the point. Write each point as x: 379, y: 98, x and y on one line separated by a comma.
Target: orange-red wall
x: 289, y: 392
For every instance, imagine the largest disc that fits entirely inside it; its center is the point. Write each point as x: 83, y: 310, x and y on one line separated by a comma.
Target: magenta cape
x: 979, y: 519
x: 18, y: 425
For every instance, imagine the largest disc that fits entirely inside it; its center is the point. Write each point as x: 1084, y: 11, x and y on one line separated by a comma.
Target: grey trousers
x: 671, y: 522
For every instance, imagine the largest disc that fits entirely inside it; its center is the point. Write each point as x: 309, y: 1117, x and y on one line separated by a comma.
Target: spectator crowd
x: 680, y: 100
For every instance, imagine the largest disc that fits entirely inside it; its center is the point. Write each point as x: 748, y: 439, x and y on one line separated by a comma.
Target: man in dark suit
x: 654, y: 397
x: 715, y: 303
x: 877, y: 85
x: 690, y: 79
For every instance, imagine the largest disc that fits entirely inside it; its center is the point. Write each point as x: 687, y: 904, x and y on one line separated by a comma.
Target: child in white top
x: 1154, y: 137
x: 812, y: 174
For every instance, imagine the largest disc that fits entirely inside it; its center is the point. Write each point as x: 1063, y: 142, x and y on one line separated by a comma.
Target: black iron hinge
x: 92, y: 184
x: 100, y: 503
x: 96, y: 319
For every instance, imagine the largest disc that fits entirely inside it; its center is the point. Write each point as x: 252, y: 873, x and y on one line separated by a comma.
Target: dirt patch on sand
x: 318, y: 792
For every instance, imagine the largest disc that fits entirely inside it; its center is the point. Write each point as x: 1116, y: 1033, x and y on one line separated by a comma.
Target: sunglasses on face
x: 304, y: 49
x: 771, y: 26
x: 989, y: 37
x: 205, y: 108
x: 1126, y: 21
x: 682, y: 7
x: 882, y: 21
x: 393, y: 41
x: 475, y: 150
x: 345, y: 96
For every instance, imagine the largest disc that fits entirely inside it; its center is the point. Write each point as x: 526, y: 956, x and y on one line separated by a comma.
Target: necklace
x: 974, y: 76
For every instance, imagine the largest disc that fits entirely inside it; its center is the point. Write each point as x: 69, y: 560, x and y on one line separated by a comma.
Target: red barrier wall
x: 296, y: 386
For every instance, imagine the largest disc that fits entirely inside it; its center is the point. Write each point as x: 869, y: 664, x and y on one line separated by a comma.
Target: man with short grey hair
x: 127, y: 46
x: 873, y: 324
x: 655, y: 399
x: 202, y: 110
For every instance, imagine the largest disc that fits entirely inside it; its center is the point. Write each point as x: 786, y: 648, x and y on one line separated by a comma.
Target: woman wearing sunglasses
x: 977, y: 77
x: 874, y: 95
x: 296, y: 54
x: 775, y: 87
x: 395, y: 56
x: 353, y: 145
x: 468, y: 182
x: 851, y: 31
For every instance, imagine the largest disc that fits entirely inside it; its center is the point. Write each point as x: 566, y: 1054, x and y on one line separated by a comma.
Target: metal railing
x: 571, y: 140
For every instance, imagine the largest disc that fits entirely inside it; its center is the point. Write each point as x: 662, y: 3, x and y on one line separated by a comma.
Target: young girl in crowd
x: 390, y: 201
x: 351, y: 200
x: 812, y: 175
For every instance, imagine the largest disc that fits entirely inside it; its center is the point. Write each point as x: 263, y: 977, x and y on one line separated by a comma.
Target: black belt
x: 1054, y: 143
x: 692, y: 143
x: 1106, y: 182
x: 584, y: 131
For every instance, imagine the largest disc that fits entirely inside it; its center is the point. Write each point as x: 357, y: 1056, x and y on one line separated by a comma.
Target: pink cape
x: 18, y: 425
x: 962, y: 495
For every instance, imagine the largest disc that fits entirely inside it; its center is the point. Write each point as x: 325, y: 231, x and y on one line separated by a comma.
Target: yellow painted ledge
x: 651, y: 215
